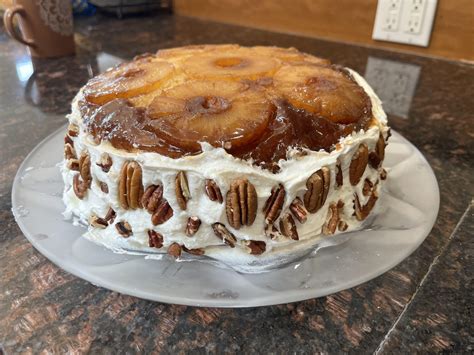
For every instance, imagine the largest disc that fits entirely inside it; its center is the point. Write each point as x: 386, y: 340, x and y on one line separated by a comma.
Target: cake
x: 249, y: 156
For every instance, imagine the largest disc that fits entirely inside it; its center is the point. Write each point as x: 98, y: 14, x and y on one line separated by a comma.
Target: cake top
x: 255, y: 102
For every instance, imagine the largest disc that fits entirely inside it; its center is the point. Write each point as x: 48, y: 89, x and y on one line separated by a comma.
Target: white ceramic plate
x: 411, y: 199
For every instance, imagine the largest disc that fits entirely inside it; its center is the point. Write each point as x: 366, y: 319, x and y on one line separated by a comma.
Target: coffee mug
x: 45, y: 26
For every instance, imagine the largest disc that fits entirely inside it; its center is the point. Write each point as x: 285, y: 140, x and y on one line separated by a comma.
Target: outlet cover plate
x: 405, y: 21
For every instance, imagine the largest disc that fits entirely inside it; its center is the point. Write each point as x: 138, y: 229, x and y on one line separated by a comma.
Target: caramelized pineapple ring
x: 324, y: 91
x: 180, y: 52
x: 224, y: 114
x: 231, y: 64
x: 128, y: 80
x: 289, y: 55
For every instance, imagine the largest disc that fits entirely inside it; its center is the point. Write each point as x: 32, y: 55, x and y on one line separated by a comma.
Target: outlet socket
x: 405, y: 21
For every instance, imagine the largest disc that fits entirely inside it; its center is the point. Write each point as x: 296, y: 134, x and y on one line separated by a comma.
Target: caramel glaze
x: 292, y: 127
x: 124, y: 126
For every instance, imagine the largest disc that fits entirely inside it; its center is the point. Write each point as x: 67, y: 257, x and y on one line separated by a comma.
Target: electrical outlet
x: 414, y: 24
x: 392, y: 16
x: 405, y: 21
x: 415, y: 12
x: 391, y: 22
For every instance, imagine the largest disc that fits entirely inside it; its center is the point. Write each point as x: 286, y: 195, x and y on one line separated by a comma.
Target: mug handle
x: 8, y: 21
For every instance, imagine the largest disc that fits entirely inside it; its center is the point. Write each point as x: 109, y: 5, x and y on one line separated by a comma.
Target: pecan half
x: 155, y: 239
x: 105, y: 162
x: 162, y: 213
x: 272, y: 232
x: 377, y: 156
x: 68, y: 140
x: 367, y: 188
x: 197, y: 251
x: 152, y: 197
x: 103, y: 187
x: 73, y: 164
x: 97, y: 222
x: 85, y: 168
x: 362, y: 211
x: 124, y: 229
x: 130, y: 185
x: 339, y: 177
x: 288, y: 227
x: 342, y: 226
x: 73, y: 130
x: 192, y: 226
x: 79, y: 187
x: 255, y: 247
x: 317, y: 189
x: 274, y: 204
x: 298, y: 210
x: 110, y: 215
x: 213, y: 191
x: 333, y: 218
x: 224, y: 234
x: 182, y: 190
x: 69, y: 152
x: 134, y: 185
x: 358, y: 164
x: 174, y: 250
x: 241, y: 203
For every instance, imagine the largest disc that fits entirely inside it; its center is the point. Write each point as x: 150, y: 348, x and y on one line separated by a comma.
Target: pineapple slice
x: 290, y: 55
x: 323, y: 91
x: 187, y: 51
x: 128, y: 80
x: 223, y: 113
x: 233, y: 64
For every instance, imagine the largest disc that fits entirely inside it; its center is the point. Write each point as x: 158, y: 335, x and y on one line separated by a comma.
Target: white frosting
x: 223, y: 168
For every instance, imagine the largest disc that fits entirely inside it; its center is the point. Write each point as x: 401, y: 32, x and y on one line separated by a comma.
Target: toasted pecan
x: 162, y: 213
x: 192, y: 226
x: 288, y: 227
x: 241, y: 203
x: 298, y: 210
x: 317, y: 189
x: 124, y: 229
x: 358, y: 164
x: 274, y: 204
x: 130, y: 185
x: 175, y: 250
x: 224, y: 234
x: 376, y: 157
x: 255, y: 247
x: 183, y: 194
x: 213, y: 191
x: 155, y: 239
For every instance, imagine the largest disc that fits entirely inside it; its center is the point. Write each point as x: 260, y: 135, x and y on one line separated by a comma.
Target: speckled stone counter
x: 424, y: 304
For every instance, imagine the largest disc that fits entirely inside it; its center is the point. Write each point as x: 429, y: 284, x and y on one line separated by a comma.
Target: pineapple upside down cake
x: 247, y: 155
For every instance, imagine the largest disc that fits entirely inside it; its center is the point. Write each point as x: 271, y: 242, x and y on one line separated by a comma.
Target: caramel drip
x: 125, y: 127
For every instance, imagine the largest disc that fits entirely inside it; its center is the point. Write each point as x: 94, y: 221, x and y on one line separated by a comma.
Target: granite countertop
x: 422, y: 305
